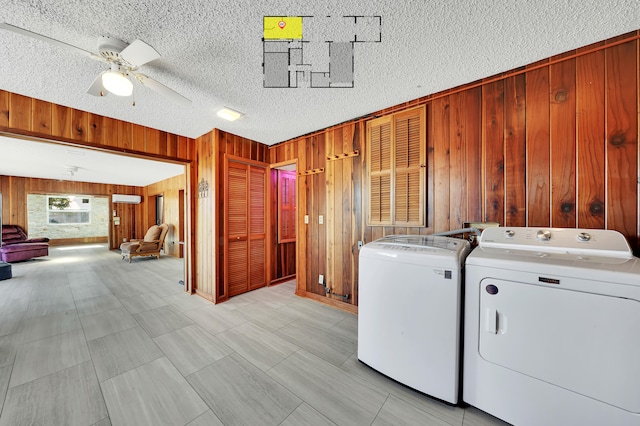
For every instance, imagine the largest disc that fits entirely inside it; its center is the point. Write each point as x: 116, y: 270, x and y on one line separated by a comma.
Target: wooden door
x: 245, y: 227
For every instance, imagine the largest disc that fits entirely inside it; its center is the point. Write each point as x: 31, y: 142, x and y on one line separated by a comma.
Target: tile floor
x: 87, y: 339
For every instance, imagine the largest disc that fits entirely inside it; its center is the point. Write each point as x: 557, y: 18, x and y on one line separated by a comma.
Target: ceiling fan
x: 124, y: 60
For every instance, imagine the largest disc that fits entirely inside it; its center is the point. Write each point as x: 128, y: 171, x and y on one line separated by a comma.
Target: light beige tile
x: 192, y: 348
x: 240, y: 393
x: 159, y: 321
x: 8, y: 349
x: 5, y: 375
x: 46, y: 326
x: 50, y: 306
x: 107, y: 322
x: 396, y: 412
x: 262, y: 348
x: 448, y: 413
x: 215, y: 319
x: 265, y: 316
x: 206, y: 419
x: 330, y: 346
x: 68, y: 397
x: 475, y: 417
x: 94, y: 305
x: 152, y: 394
x: 341, y: 397
x: 51, y: 292
x: 305, y: 415
x: 186, y: 302
x: 46, y: 356
x: 122, y: 351
x: 143, y: 302
x: 89, y: 291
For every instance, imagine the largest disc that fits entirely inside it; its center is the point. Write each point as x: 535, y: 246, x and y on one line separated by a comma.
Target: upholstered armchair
x: 150, y: 245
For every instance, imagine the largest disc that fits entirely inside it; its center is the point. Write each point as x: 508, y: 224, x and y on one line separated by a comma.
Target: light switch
x: 306, y: 219
x: 320, y: 219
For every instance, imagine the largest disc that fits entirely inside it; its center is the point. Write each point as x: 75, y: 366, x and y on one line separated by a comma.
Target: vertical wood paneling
x: 493, y: 140
x: 473, y: 145
x: 79, y: 125
x: 40, y: 117
x: 125, y: 135
x: 4, y: 108
x: 622, y: 138
x: 152, y: 140
x: 590, y: 106
x: 538, y: 148
x: 110, y: 132
x: 457, y: 161
x: 19, y: 111
x: 515, y: 151
x: 138, y: 137
x: 61, y: 121
x: 96, y: 123
x: 562, y: 131
x: 441, y: 144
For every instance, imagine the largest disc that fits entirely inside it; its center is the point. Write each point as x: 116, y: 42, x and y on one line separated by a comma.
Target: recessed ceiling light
x: 229, y: 114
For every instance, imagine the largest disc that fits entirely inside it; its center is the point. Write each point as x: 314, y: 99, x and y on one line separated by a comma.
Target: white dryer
x: 409, y: 305
x: 552, y: 327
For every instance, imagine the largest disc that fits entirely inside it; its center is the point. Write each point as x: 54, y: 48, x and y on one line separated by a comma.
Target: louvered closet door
x: 246, y: 228
x: 380, y: 163
x: 408, y: 170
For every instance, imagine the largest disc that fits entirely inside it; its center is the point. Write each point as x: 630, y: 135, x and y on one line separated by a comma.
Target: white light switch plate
x: 306, y: 219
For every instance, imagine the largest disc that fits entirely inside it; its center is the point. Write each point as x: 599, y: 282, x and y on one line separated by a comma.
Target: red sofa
x: 16, y: 246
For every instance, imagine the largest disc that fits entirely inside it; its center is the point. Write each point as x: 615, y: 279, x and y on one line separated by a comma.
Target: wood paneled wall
x: 173, y: 192
x: 14, y: 203
x: 26, y: 116
x: 551, y: 144
x: 211, y: 149
x: 282, y: 259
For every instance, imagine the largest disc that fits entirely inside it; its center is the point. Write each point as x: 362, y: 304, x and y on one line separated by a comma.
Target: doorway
x: 283, y: 191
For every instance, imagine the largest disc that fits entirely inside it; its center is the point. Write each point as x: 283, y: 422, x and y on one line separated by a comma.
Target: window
x: 396, y: 157
x: 68, y: 210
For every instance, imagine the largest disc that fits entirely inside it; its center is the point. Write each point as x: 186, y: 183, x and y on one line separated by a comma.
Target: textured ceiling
x: 212, y: 53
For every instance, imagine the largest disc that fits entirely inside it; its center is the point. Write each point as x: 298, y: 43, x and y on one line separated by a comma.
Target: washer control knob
x: 509, y: 233
x: 543, y: 235
x: 584, y: 237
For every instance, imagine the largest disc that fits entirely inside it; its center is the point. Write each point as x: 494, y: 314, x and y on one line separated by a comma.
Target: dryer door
x: 583, y: 342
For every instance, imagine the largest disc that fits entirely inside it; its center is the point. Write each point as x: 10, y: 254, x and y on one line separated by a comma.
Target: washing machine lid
x: 409, y: 248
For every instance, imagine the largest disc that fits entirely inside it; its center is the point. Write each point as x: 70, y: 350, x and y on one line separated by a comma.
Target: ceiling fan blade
x: 139, y: 53
x: 163, y: 90
x: 49, y: 40
x: 96, y: 88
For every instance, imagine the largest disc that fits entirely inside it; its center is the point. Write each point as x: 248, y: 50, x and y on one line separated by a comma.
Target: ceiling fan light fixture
x: 229, y: 114
x: 116, y: 82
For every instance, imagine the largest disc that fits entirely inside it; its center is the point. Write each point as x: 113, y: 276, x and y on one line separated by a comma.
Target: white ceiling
x: 20, y: 157
x: 212, y: 53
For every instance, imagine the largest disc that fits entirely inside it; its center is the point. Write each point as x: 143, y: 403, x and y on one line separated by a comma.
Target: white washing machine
x: 409, y: 308
x: 552, y: 327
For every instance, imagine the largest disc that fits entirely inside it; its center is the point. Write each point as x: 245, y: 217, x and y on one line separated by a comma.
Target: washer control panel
x: 559, y: 240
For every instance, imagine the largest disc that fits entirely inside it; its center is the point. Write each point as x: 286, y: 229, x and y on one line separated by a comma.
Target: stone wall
x: 38, y: 226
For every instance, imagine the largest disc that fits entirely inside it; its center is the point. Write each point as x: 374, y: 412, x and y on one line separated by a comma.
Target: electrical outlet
x: 320, y: 279
x: 320, y: 219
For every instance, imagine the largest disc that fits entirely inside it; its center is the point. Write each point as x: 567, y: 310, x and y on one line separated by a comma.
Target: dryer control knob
x: 509, y: 233
x: 584, y: 237
x: 543, y: 235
